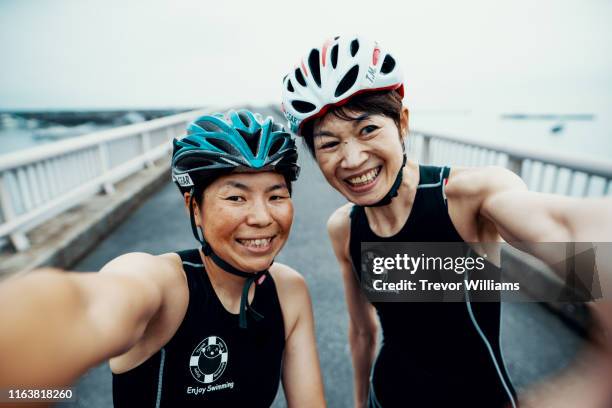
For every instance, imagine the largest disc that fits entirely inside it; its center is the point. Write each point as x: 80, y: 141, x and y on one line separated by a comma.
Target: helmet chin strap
x: 392, y: 193
x: 250, y: 277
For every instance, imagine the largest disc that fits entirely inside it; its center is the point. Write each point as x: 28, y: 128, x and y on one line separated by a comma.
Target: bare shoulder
x: 292, y: 293
x: 145, y: 275
x: 164, y: 271
x: 476, y: 181
x: 140, y: 263
x: 287, y: 280
x: 338, y: 224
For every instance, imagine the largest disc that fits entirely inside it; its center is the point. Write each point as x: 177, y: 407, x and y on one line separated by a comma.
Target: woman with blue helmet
x: 345, y: 99
x: 214, y: 326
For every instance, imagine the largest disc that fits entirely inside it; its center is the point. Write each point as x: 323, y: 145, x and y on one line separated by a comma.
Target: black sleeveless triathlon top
x: 432, y: 354
x: 210, y: 361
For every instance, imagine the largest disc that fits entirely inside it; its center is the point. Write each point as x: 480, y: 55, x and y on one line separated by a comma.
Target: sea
x: 24, y: 130
x: 584, y: 135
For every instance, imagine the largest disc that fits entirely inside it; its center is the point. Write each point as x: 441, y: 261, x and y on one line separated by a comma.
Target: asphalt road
x: 534, y: 342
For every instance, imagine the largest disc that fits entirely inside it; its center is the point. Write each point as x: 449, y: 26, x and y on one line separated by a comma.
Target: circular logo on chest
x: 369, y: 273
x: 208, y: 360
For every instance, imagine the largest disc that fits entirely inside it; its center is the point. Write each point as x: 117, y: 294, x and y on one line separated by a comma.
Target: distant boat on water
x: 558, y: 128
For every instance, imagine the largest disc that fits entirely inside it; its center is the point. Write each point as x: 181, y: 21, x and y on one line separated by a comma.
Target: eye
x: 328, y: 145
x: 281, y: 196
x: 235, y: 198
x: 369, y: 129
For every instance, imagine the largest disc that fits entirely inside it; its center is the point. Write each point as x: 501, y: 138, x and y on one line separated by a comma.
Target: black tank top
x: 210, y: 361
x: 432, y: 354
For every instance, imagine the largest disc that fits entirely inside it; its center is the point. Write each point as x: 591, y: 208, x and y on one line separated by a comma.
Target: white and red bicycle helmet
x: 329, y: 76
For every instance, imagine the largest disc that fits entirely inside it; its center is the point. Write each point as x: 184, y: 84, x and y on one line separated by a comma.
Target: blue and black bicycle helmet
x: 219, y: 144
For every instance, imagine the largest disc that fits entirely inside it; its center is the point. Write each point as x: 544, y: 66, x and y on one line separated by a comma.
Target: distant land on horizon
x: 548, y: 116
x: 76, y: 117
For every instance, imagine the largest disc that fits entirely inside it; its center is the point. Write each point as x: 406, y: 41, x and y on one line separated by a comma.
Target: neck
x: 222, y: 279
x: 389, y: 219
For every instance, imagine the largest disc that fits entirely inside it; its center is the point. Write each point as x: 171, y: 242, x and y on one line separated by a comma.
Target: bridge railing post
x: 426, y: 149
x: 107, y: 187
x: 146, y: 147
x: 18, y: 238
x: 515, y: 164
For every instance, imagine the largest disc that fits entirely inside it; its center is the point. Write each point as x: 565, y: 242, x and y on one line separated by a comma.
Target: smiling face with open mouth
x: 247, y: 218
x: 361, y: 157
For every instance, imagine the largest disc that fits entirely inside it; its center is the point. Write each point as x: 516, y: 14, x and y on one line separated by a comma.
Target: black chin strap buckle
x: 392, y: 193
x: 206, y: 249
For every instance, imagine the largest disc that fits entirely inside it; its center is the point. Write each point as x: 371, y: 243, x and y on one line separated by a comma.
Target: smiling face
x: 360, y: 157
x: 247, y: 218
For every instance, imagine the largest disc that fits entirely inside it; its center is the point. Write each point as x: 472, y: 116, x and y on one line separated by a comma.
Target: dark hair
x: 386, y: 103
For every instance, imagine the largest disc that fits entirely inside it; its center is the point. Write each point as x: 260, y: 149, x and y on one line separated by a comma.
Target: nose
x: 354, y: 155
x: 259, y: 214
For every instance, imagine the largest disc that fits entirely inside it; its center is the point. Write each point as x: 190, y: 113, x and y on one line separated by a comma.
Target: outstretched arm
x: 495, y: 199
x: 55, y: 325
x: 499, y: 198
x: 537, y: 217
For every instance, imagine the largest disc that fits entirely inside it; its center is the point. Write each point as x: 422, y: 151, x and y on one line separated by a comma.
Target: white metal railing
x: 542, y: 171
x: 38, y: 183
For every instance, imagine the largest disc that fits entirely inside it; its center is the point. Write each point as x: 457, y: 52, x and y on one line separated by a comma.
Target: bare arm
x: 537, y: 217
x: 525, y: 218
x: 522, y: 218
x: 495, y: 197
x: 302, y: 380
x: 363, y: 325
x: 489, y: 201
x: 56, y: 325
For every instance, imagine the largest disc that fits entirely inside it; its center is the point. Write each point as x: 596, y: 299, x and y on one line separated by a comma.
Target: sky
x: 519, y: 55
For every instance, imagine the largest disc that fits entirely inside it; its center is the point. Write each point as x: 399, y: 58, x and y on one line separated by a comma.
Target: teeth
x: 364, y: 178
x: 256, y: 242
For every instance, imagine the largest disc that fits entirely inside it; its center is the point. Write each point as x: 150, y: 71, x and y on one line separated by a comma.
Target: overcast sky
x: 525, y: 55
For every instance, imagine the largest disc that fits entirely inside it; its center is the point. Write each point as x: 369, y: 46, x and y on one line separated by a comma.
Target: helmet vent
x: 354, y: 47
x: 300, y: 77
x: 313, y: 63
x: 189, y: 141
x: 334, y: 56
x: 336, y: 37
x: 303, y: 107
x: 387, y: 65
x: 222, y: 145
x: 195, y: 162
x: 276, y: 127
x: 244, y: 118
x: 290, y: 86
x: 210, y: 126
x: 348, y: 81
x: 278, y: 143
x: 252, y: 139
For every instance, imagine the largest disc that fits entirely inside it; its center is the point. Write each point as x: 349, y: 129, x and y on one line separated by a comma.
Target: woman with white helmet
x: 216, y: 326
x: 345, y: 100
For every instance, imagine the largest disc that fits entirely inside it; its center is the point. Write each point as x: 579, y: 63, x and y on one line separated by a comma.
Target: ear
x: 187, y: 197
x: 404, y: 122
x: 196, y: 209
